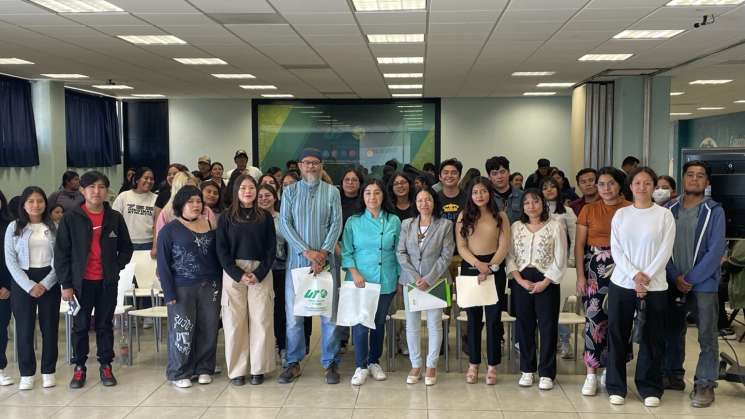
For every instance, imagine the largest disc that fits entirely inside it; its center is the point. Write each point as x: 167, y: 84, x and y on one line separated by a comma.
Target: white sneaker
x: 566, y: 351
x: 652, y: 401
x: 48, y: 380
x: 182, y: 383
x: 545, y: 383
x: 360, y: 376
x: 5, y: 380
x: 205, y: 378
x: 590, y: 387
x: 147, y: 323
x: 526, y: 379
x: 616, y: 400
x: 27, y: 383
x: 602, y: 377
x: 376, y: 371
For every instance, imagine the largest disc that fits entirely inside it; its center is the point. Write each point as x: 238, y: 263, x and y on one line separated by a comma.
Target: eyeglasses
x: 401, y: 183
x: 312, y: 163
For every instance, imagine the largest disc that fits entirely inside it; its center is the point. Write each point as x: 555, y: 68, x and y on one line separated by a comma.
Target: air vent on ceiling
x: 247, y: 18
x: 304, y: 66
x: 733, y: 62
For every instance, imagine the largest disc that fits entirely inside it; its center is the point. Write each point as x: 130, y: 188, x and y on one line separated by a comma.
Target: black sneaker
x: 238, y: 381
x: 289, y: 374
x: 332, y: 374
x: 674, y: 383
x: 256, y: 379
x: 78, y: 377
x: 107, y: 376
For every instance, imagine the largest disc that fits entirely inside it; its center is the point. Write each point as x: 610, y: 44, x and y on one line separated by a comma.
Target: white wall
x: 523, y: 129
x: 215, y: 127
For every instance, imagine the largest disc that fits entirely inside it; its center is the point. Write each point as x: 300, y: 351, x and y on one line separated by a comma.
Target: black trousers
x: 4, y: 321
x: 622, y: 304
x: 25, y: 308
x: 100, y: 295
x: 541, y: 310
x: 280, y: 317
x: 493, y: 315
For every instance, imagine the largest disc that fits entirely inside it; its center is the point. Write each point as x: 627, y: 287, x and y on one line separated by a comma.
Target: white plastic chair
x: 144, y: 271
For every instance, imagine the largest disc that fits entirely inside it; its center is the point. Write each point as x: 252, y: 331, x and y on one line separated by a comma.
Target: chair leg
x: 458, y: 345
x: 137, y: 332
x: 129, y: 329
x: 509, y: 343
x: 576, y: 330
x: 15, y: 340
x: 156, y: 326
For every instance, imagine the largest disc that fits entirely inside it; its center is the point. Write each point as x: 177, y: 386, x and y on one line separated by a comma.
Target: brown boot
x: 702, y: 396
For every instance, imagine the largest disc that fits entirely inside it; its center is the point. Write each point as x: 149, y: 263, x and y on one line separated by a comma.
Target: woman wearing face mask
x: 137, y: 205
x: 594, y: 265
x: 664, y: 190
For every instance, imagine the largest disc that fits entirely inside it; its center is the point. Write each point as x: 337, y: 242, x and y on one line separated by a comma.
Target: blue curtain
x: 17, y: 130
x: 92, y: 131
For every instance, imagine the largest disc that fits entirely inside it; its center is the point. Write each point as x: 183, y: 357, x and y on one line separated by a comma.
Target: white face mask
x: 661, y: 196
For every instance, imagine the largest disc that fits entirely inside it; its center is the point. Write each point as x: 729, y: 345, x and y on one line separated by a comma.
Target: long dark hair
x: 220, y: 205
x: 471, y: 211
x: 536, y: 193
x: 385, y: 205
x: 23, y: 218
x: 560, y: 209
x: 356, y: 172
x: 392, y: 195
x: 4, y: 211
x: 255, y: 214
x: 271, y: 190
x: 67, y: 177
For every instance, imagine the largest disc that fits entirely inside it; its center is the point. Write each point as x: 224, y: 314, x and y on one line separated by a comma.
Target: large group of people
x: 644, y: 255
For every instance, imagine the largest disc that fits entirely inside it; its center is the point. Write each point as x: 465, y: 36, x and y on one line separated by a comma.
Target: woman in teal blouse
x: 368, y: 254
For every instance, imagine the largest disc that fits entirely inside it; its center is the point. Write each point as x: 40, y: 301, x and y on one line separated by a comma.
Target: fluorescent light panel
x: 78, y: 6
x: 258, y: 87
x: 555, y: 84
x: 152, y: 39
x: 740, y: 101
x: 710, y: 82
x: 278, y: 95
x: 704, y: 3
x: 233, y: 76
x: 400, y: 60
x: 13, y: 61
x: 65, y: 76
x: 409, y: 106
x: 112, y: 86
x: 407, y: 95
x: 680, y: 113
x: 404, y: 86
x: 605, y: 57
x: 201, y: 61
x: 388, y: 5
x: 677, y: 93
x: 396, y: 38
x: 403, y: 75
x: 648, y: 34
x: 533, y: 73
x: 539, y: 93
x: 148, y: 95
x: 711, y: 108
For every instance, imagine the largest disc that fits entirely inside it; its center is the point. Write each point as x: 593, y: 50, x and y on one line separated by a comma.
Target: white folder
x: 472, y: 293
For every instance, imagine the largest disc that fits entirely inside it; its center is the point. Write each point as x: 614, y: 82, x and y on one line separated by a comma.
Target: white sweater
x: 545, y: 250
x: 642, y: 241
x: 570, y: 225
x: 137, y: 210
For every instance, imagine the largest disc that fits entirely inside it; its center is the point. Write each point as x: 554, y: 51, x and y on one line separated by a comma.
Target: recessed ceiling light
x: 278, y: 95
x: 409, y: 106
x: 148, y: 95
x: 403, y: 75
x: 234, y: 76
x: 710, y: 82
x: 711, y: 108
x: 740, y: 101
x: 78, y: 6
x: 532, y: 73
x: 407, y: 95
x: 605, y: 57
x: 400, y: 60
x: 152, y: 39
x: 648, y: 34
x: 539, y: 93
x: 404, y: 86
x: 704, y: 2
x: 555, y: 84
x: 396, y: 38
x: 201, y: 61
x: 680, y: 113
x: 677, y: 93
x: 387, y: 5
x: 112, y: 86
x: 65, y: 76
x: 13, y: 61
x: 258, y: 87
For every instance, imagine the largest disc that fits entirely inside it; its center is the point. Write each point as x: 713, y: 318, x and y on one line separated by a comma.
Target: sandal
x: 472, y: 375
x: 414, y: 378
x: 430, y: 377
x: 491, y: 375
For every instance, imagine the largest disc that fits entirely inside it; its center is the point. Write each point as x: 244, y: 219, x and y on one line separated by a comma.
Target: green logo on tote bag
x: 315, y: 293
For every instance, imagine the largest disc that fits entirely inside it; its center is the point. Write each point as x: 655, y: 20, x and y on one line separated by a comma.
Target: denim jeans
x: 296, y: 331
x: 706, y: 306
x: 434, y: 334
x: 564, y: 334
x: 368, y: 343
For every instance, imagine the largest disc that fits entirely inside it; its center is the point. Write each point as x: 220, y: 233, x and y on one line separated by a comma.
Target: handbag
x: 314, y: 294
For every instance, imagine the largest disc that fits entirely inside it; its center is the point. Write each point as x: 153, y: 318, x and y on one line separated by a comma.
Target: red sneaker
x: 78, y: 377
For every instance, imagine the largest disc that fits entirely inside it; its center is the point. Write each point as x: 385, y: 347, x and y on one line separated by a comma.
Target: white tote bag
x: 471, y: 293
x: 357, y: 305
x: 314, y: 294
